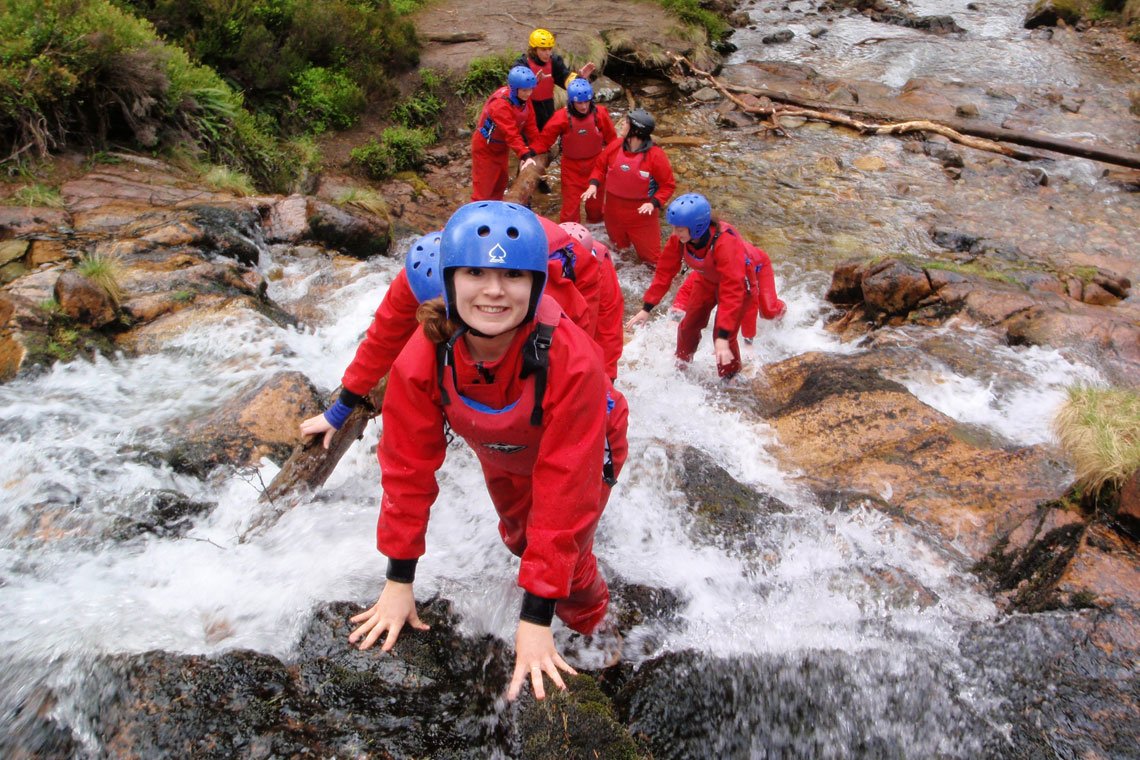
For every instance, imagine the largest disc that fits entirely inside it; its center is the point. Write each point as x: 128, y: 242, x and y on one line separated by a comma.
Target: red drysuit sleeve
x: 667, y: 268
x: 392, y: 326
x: 411, y: 450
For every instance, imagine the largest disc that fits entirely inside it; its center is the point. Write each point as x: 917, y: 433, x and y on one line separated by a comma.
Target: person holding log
x: 506, y: 124
x: 391, y: 328
x: 636, y: 179
x: 496, y: 363
x: 585, y: 128
x: 716, y: 251
x: 549, y: 69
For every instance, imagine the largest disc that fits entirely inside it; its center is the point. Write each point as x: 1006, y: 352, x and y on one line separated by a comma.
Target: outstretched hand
x: 723, y: 352
x: 316, y: 426
x: 640, y: 318
x: 590, y: 192
x: 395, y: 607
x: 646, y: 208
x: 534, y: 655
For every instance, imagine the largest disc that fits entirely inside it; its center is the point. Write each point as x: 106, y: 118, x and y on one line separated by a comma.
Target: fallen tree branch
x: 522, y: 188
x: 457, y: 37
x: 979, y: 136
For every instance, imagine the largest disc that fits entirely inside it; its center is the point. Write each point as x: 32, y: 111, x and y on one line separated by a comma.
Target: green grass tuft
x: 1099, y: 429
x: 37, y: 195
x: 231, y: 180
x: 105, y: 271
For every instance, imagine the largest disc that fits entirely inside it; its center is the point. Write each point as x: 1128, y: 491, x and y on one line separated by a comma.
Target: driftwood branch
x: 979, y: 136
x: 457, y: 37
x: 310, y: 464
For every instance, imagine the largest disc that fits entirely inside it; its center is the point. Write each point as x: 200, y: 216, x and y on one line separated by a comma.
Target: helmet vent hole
x: 483, y: 231
x: 513, y: 233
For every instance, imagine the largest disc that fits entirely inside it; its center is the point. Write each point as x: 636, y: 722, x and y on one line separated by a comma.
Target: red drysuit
x: 545, y: 480
x: 391, y: 327
x: 583, y: 139
x: 761, y: 283
x: 579, y: 268
x: 611, y: 315
x: 723, y: 283
x: 631, y: 179
x: 502, y: 126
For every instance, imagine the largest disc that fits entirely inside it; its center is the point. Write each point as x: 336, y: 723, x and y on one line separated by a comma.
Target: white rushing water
x: 73, y: 440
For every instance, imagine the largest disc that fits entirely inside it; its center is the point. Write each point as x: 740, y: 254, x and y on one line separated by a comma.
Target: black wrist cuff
x: 656, y: 203
x: 350, y: 399
x: 537, y: 609
x: 646, y: 306
x: 528, y: 154
x: 595, y: 183
x: 402, y: 570
x: 723, y: 333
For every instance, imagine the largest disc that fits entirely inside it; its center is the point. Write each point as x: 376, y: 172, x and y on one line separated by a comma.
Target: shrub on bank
x: 398, y: 149
x: 284, y: 53
x: 86, y: 71
x: 1099, y: 428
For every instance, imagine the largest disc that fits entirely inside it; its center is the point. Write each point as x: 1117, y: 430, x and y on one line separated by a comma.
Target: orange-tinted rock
x: 1104, y: 571
x: 83, y: 300
x: 894, y: 287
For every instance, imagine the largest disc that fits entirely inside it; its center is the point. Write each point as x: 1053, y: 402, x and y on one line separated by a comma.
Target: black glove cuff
x: 595, y: 183
x: 537, y: 609
x: 402, y: 570
x: 528, y: 154
x: 350, y: 399
x: 656, y: 203
x: 723, y: 333
x: 647, y: 307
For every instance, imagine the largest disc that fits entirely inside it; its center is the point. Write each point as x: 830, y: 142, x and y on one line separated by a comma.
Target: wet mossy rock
x: 726, y: 510
x: 578, y: 724
x: 360, y: 235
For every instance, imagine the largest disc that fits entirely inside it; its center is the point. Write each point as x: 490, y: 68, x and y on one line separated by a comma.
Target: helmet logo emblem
x: 497, y: 255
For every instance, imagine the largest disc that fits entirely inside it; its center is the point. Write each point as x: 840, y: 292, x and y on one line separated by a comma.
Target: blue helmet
x: 493, y: 235
x: 520, y: 78
x: 422, y: 267
x: 690, y: 210
x: 579, y: 91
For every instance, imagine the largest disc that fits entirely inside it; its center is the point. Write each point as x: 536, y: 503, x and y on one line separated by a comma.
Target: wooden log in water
x: 955, y: 129
x: 522, y: 188
x: 310, y: 464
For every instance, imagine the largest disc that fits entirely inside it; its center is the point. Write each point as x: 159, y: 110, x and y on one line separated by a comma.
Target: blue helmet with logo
x: 520, y: 78
x: 423, y: 269
x: 579, y: 91
x: 690, y: 210
x: 493, y: 235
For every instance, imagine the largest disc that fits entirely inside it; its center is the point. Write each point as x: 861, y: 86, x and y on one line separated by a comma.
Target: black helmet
x: 641, y: 123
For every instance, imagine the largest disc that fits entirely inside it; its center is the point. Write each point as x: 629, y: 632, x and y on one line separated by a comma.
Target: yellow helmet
x: 540, y: 38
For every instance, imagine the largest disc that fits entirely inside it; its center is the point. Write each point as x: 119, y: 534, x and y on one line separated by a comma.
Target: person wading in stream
x: 762, y: 289
x: 637, y: 180
x: 585, y: 128
x: 506, y: 124
x: 391, y: 328
x: 496, y: 364
x: 715, y: 250
x: 549, y: 69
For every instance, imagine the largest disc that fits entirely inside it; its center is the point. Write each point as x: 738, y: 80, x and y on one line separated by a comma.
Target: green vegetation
x: 975, y: 270
x: 87, y: 70
x: 365, y: 199
x: 327, y: 99
x: 425, y: 106
x: 294, y: 59
x: 104, y: 270
x: 1099, y: 429
x: 225, y: 178
x: 36, y: 194
x: 485, y: 74
x: 691, y: 12
x: 399, y: 149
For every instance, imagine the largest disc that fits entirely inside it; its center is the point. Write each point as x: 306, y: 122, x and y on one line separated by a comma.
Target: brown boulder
x: 22, y: 221
x: 261, y: 420
x: 359, y: 235
x: 83, y: 300
x: 894, y: 287
x: 849, y: 428
x: 288, y: 220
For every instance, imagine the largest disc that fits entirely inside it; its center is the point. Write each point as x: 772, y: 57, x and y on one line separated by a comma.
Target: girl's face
x: 682, y: 234
x: 543, y: 54
x: 524, y: 94
x: 582, y: 106
x: 492, y: 301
